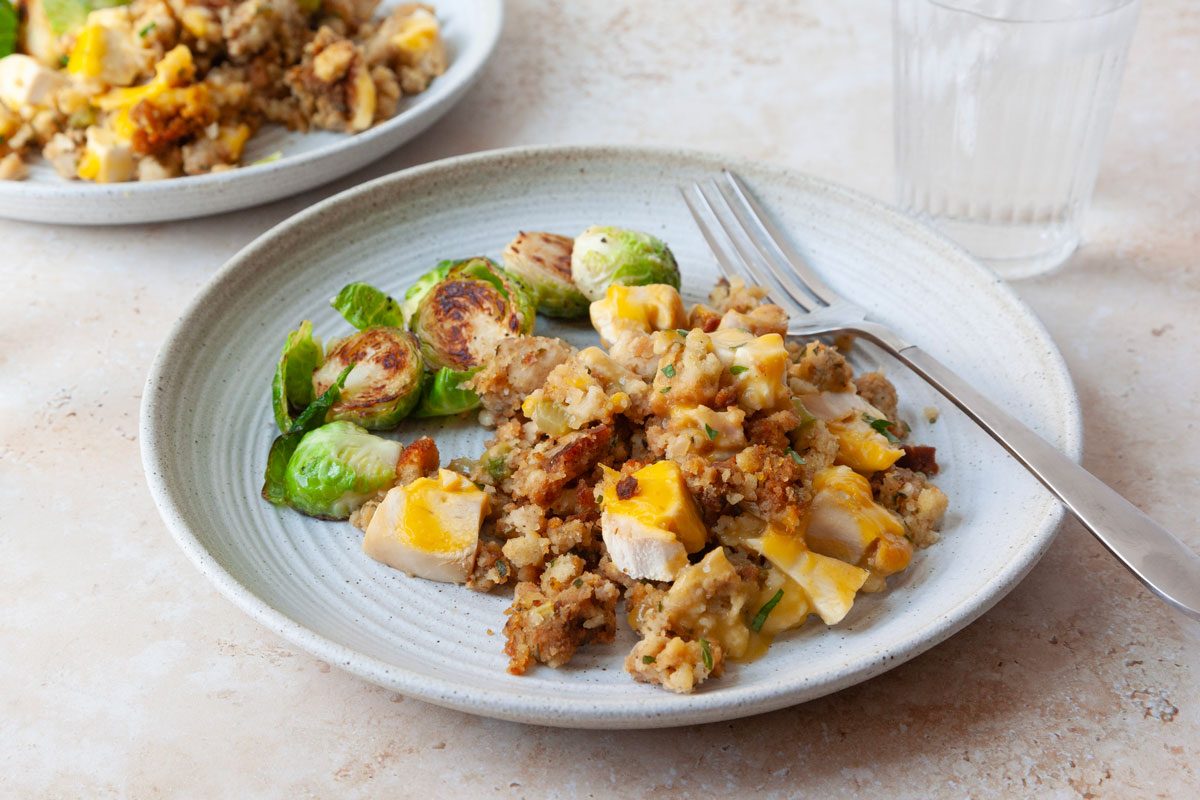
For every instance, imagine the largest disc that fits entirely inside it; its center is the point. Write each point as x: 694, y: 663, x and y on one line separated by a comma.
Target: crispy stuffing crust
x: 919, y: 504
x: 630, y: 407
x: 548, y: 622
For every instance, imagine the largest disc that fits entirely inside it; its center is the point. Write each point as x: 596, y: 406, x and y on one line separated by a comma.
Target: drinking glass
x: 1001, y: 109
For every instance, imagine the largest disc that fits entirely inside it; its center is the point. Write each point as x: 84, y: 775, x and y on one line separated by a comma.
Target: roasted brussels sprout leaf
x: 512, y: 287
x: 274, y: 489
x: 543, y: 262
x: 443, y: 394
x: 416, y: 293
x: 314, y: 416
x: 386, y: 384
x: 463, y: 317
x: 604, y: 256
x: 292, y: 388
x: 364, y: 306
x: 336, y: 468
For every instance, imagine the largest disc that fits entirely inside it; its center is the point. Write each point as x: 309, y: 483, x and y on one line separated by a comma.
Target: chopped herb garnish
x: 647, y: 659
x: 501, y: 568
x: 63, y: 60
x: 665, y: 389
x: 799, y: 459
x: 706, y: 652
x: 765, y: 611
x: 660, y: 605
x: 578, y: 582
x: 146, y: 30
x: 711, y: 432
x: 669, y: 370
x: 882, y: 426
x: 737, y: 369
x: 681, y: 331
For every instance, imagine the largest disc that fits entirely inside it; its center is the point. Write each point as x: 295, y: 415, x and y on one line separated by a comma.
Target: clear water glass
x: 1001, y: 110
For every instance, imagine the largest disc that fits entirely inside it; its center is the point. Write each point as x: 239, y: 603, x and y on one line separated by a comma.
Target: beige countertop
x: 123, y: 673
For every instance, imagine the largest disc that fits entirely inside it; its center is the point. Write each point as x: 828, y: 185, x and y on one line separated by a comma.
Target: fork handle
x: 1167, y: 566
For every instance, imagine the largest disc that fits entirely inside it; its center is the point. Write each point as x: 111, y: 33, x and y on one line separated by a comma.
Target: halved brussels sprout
x: 514, y: 288
x: 463, y: 317
x: 443, y: 394
x: 543, y: 261
x: 338, y: 467
x: 292, y: 388
x: 604, y: 256
x: 364, y: 306
x: 274, y: 483
x: 386, y: 382
x: 416, y: 293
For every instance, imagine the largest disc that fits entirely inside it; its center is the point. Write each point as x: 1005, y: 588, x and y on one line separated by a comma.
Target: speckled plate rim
x: 410, y: 122
x: 728, y: 703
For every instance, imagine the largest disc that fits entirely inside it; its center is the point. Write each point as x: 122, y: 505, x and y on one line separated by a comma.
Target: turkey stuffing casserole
x: 113, y: 90
x: 726, y: 482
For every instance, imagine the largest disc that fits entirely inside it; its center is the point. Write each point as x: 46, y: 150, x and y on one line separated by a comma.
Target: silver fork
x: 748, y: 244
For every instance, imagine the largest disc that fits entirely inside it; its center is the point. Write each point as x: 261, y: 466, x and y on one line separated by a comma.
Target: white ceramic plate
x: 206, y: 428
x: 470, y: 28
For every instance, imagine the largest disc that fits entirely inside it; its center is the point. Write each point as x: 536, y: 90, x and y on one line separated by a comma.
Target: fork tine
x: 727, y: 266
x: 757, y: 260
x: 737, y: 236
x: 752, y: 215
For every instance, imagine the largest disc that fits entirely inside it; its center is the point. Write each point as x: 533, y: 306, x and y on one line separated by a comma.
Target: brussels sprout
x: 416, y: 293
x: 386, y: 382
x: 443, y: 394
x: 463, y: 317
x: 292, y: 388
x: 513, y: 287
x: 364, y: 306
x: 543, y: 261
x: 605, y: 256
x: 338, y: 467
x: 274, y: 484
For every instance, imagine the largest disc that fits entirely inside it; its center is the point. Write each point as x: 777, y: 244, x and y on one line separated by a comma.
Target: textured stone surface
x: 123, y: 673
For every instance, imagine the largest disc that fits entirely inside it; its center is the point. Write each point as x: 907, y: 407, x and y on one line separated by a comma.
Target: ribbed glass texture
x: 1001, y: 110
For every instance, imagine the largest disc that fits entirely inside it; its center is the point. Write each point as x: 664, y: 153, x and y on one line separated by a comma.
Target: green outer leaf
x: 513, y: 288
x: 313, y: 417
x: 761, y: 617
x: 8, y: 29
x: 274, y: 487
x: 553, y: 295
x: 443, y: 395
x: 66, y: 16
x: 364, y: 306
x: 482, y: 269
x: 291, y: 388
x: 337, y: 467
x: 416, y: 293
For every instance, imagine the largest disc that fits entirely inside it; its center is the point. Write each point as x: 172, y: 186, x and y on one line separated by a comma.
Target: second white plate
x: 470, y: 28
x: 207, y: 426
